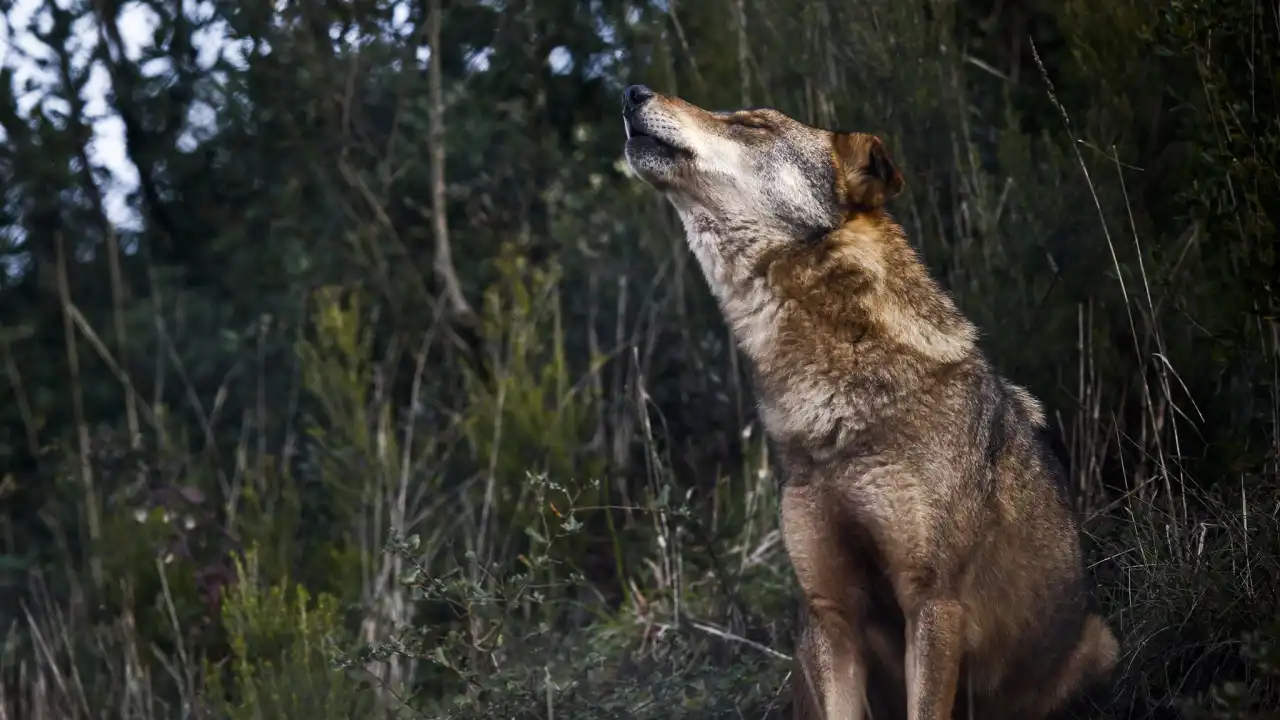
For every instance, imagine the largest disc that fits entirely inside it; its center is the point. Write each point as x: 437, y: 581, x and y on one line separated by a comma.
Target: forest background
x: 345, y: 371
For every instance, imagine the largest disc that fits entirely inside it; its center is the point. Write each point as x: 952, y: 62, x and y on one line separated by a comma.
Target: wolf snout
x: 635, y: 96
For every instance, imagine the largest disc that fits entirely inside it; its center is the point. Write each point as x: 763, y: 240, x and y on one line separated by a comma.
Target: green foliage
x: 281, y: 661
x: 527, y: 411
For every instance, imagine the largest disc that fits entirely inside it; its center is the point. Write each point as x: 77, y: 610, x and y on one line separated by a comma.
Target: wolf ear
x: 866, y: 175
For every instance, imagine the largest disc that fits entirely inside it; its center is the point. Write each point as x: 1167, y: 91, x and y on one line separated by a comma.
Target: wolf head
x: 754, y: 172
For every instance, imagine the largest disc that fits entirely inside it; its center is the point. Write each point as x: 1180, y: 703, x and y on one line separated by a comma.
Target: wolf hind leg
x: 1086, y: 676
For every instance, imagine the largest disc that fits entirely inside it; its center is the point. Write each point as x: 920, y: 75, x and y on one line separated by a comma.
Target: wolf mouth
x: 638, y: 138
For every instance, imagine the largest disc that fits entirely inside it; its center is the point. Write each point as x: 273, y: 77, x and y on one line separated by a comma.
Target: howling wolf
x: 924, y: 515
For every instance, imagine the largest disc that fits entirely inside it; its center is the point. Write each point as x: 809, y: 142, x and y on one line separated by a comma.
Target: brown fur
x: 923, y: 514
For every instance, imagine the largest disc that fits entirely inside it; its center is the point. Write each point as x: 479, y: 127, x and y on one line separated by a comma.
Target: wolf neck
x: 840, y: 332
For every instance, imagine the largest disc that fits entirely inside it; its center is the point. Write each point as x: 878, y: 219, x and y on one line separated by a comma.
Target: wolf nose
x: 635, y: 96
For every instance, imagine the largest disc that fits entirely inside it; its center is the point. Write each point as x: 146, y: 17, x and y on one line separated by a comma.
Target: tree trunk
x: 744, y: 77
x: 439, y: 212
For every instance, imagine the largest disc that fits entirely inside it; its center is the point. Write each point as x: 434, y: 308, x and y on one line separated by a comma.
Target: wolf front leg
x: 830, y: 676
x: 933, y: 659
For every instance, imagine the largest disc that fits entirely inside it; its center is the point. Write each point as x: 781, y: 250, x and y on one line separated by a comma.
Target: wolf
x: 923, y: 512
